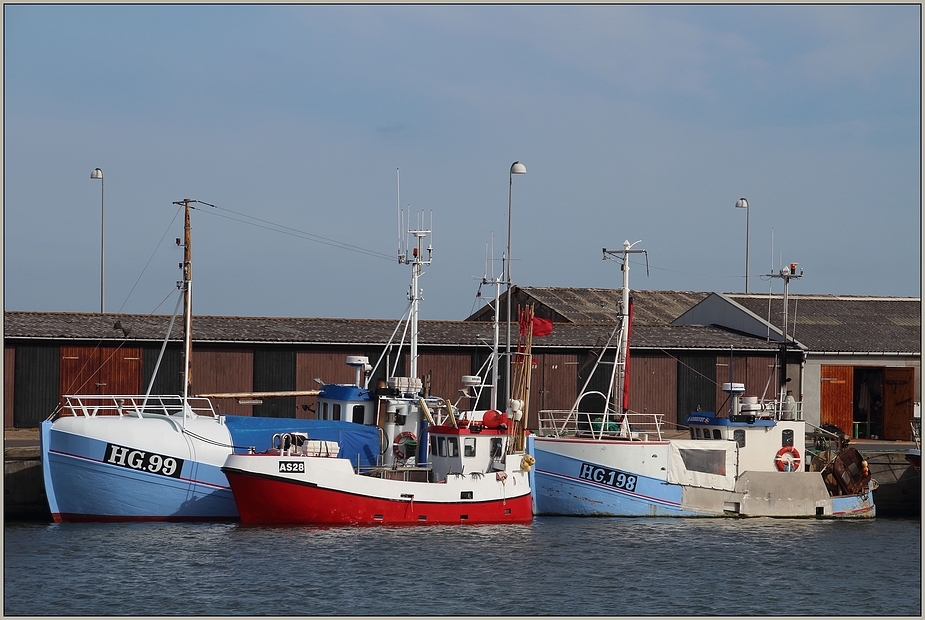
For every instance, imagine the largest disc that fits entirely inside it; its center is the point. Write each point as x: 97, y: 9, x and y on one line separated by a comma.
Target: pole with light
x: 516, y: 168
x: 741, y: 203
x: 98, y: 174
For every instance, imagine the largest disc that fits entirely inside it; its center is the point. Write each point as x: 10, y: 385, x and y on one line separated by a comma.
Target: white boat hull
x: 118, y: 468
x: 575, y: 476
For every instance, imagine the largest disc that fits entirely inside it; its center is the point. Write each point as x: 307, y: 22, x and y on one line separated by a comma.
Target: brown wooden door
x: 836, y: 397
x: 897, y: 402
x: 100, y: 370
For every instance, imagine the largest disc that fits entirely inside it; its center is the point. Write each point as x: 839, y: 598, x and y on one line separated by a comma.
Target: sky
x: 309, y: 127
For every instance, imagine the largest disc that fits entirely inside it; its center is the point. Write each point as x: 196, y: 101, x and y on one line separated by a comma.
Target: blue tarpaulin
x: 356, y: 441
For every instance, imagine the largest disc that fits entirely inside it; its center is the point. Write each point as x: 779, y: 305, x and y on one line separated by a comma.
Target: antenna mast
x: 622, y: 350
x: 415, y: 294
x: 787, y: 273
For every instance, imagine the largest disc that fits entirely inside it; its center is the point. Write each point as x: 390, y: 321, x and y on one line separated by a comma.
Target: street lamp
x: 741, y: 203
x: 516, y: 168
x: 98, y: 174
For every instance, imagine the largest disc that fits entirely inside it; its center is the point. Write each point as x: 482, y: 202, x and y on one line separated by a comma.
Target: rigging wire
x: 294, y: 232
x: 149, y: 262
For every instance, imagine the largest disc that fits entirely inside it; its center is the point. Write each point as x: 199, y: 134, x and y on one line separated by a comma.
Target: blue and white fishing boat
x: 744, y: 462
x: 159, y: 457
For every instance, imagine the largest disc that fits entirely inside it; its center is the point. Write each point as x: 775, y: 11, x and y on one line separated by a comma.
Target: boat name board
x: 292, y: 467
x: 140, y: 460
x: 612, y: 477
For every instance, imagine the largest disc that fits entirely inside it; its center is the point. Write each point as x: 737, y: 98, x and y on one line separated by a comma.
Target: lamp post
x: 741, y: 203
x: 98, y: 174
x: 516, y: 168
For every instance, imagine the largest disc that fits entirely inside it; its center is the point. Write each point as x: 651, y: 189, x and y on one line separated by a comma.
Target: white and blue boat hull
x: 564, y: 485
x: 620, y: 478
x: 151, y: 479
x: 164, y: 468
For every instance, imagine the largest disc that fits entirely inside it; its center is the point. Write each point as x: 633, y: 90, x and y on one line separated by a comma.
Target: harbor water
x: 555, y: 566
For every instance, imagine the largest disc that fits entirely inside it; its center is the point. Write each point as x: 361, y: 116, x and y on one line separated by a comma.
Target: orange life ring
x: 398, y: 446
x: 791, y: 464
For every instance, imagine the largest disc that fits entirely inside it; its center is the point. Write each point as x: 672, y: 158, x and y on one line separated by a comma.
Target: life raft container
x: 788, y: 464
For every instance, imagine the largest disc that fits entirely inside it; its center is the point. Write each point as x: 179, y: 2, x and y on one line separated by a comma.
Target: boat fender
x: 791, y: 464
x: 865, y: 470
x: 398, y: 446
x: 527, y: 462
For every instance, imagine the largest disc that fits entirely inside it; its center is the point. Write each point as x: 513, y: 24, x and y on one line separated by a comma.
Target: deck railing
x: 133, y: 405
x: 570, y: 422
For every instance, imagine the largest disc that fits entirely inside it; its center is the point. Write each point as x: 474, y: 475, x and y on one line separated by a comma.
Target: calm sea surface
x: 556, y: 566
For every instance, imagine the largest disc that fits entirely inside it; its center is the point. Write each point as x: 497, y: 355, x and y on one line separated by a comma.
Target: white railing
x: 776, y: 411
x: 135, y: 406
x: 569, y: 422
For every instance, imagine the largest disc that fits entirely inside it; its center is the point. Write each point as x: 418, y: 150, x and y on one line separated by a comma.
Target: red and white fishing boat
x: 471, y: 478
x: 436, y: 466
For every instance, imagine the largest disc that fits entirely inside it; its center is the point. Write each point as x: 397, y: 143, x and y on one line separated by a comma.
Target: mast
x: 786, y: 274
x: 619, y: 366
x: 187, y: 286
x: 417, y: 262
x: 493, y: 405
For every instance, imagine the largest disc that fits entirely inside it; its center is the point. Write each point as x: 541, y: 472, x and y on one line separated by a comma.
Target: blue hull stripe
x: 104, y: 464
x: 578, y: 482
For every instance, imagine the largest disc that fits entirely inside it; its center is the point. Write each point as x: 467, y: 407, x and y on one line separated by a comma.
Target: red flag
x: 541, y: 327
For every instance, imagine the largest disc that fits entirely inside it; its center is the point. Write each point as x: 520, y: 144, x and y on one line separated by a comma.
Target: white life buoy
x: 788, y: 464
x: 398, y: 446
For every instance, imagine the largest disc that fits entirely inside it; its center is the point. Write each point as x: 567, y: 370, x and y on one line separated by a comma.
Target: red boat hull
x: 274, y: 501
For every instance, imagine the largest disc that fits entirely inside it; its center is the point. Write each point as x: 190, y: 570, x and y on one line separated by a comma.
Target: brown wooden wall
x: 446, y: 371
x: 754, y: 372
x: 653, y: 380
x: 329, y: 366
x: 223, y: 370
x: 553, y: 385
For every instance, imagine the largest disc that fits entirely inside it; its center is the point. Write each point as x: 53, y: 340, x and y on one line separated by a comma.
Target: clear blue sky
x: 634, y: 122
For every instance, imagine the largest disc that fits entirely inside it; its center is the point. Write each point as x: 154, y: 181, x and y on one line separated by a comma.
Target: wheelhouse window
x: 336, y: 414
x: 359, y: 412
x: 452, y: 446
x: 469, y: 447
x: 324, y: 411
x: 739, y: 436
x: 717, y: 434
x: 441, y: 446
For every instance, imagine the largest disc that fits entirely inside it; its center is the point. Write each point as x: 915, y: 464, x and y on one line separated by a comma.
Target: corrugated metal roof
x: 602, y: 305
x: 255, y: 330
x: 838, y: 323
